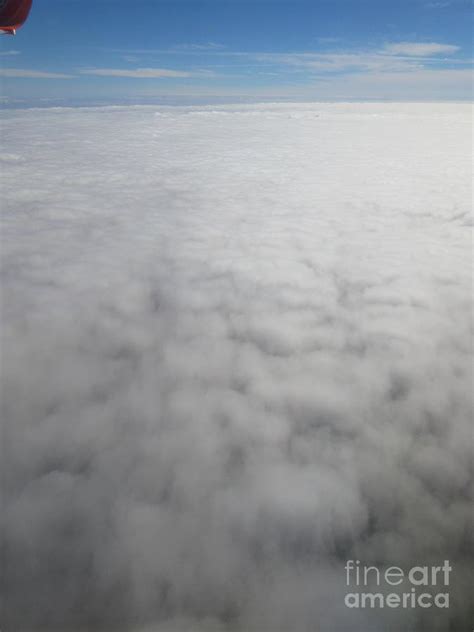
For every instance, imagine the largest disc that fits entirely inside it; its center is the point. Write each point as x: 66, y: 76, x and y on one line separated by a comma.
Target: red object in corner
x: 13, y: 14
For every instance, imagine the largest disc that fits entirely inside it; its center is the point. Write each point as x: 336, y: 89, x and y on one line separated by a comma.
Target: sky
x: 237, y: 49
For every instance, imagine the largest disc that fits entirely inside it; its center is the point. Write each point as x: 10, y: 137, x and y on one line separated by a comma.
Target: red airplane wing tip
x: 13, y: 13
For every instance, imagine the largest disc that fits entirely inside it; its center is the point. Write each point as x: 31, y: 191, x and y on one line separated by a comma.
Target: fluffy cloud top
x: 236, y: 353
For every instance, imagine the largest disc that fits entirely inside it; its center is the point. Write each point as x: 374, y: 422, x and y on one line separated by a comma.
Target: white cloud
x: 297, y: 72
x: 9, y: 53
x: 32, y: 74
x: 420, y: 49
x: 236, y: 352
x: 337, y: 62
x: 206, y: 47
x: 442, y: 4
x: 378, y: 74
x: 130, y: 58
x: 22, y: 73
x: 135, y: 73
x: 401, y: 56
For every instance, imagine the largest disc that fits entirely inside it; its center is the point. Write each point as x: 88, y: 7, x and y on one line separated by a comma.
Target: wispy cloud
x: 420, y: 49
x: 407, y: 58
x: 136, y: 73
x: 340, y: 62
x: 177, y: 49
x: 32, y: 74
x: 328, y: 40
x: 208, y: 46
x: 442, y: 4
x: 397, y: 70
x: 9, y: 53
x: 398, y: 63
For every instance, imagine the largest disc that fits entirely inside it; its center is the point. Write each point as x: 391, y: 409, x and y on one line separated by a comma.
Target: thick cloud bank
x: 236, y: 353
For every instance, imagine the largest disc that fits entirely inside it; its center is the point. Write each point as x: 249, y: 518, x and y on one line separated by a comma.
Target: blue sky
x: 310, y: 49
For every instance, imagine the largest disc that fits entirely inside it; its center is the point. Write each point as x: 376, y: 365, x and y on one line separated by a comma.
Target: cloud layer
x: 236, y: 352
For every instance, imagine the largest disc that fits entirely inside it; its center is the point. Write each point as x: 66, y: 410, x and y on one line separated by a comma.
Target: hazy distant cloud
x: 206, y: 47
x: 328, y: 40
x: 400, y: 63
x: 442, y: 4
x: 136, y: 73
x: 420, y: 49
x: 336, y: 62
x: 9, y: 53
x: 130, y: 58
x: 32, y: 74
x: 433, y: 84
x: 400, y: 56
x: 178, y: 49
x: 454, y: 4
